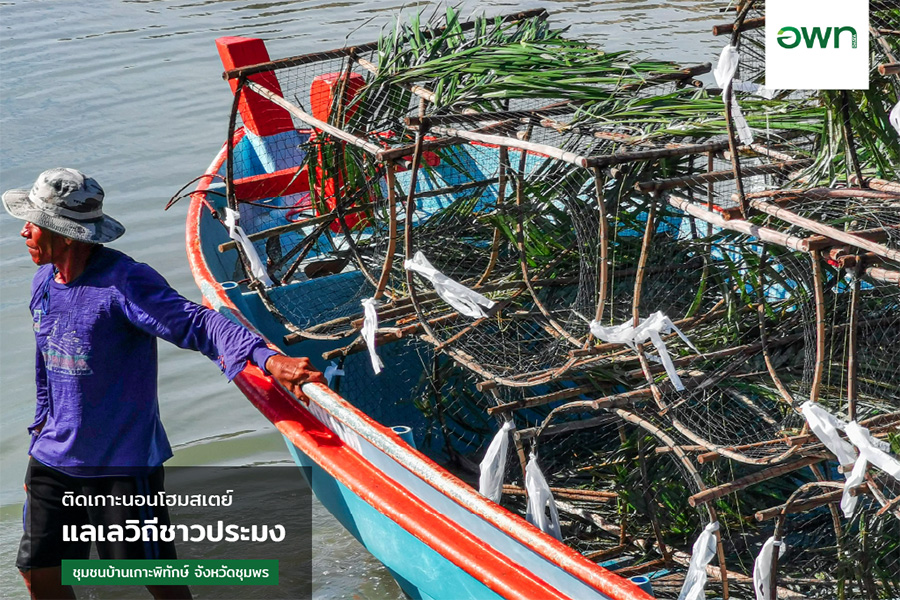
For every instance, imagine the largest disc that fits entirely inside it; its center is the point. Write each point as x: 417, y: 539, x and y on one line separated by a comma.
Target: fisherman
x: 96, y: 315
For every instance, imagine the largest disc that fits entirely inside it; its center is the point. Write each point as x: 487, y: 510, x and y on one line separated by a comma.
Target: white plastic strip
x: 703, y: 552
x: 466, y: 301
x: 754, y: 88
x: 895, y: 117
x: 762, y: 568
x: 490, y: 482
x: 826, y: 427
x: 237, y: 234
x: 855, y: 478
x: 648, y: 329
x: 539, y: 498
x: 724, y: 73
x: 878, y: 451
x: 870, y: 451
x: 370, y: 326
x: 332, y: 371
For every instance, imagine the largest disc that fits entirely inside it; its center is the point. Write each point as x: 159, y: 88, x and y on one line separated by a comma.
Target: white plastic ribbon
x: 703, y: 552
x: 332, y: 371
x: 370, y: 326
x: 648, y: 329
x: 724, y: 73
x: 870, y: 451
x: 490, y: 482
x: 237, y: 234
x: 754, y: 88
x: 466, y: 301
x: 762, y: 568
x: 826, y: 427
x: 539, y: 498
x: 895, y: 117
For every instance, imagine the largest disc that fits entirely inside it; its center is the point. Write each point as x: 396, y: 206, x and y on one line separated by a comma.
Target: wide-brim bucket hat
x: 67, y: 202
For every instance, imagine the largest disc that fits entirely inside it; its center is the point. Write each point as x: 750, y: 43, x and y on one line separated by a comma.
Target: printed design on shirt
x: 67, y: 354
x: 36, y: 319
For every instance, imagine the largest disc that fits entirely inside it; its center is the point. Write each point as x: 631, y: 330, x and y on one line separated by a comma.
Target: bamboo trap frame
x: 557, y: 200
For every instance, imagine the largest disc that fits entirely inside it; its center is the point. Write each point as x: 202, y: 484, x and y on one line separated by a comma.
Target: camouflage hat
x: 67, y: 202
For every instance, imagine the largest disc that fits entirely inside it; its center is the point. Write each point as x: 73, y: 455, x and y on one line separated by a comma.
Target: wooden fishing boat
x: 564, y: 212
x: 436, y: 535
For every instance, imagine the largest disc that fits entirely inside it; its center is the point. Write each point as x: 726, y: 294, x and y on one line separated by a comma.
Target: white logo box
x: 821, y: 33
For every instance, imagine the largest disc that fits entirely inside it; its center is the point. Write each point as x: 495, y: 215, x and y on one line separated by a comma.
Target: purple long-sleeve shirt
x: 96, y: 362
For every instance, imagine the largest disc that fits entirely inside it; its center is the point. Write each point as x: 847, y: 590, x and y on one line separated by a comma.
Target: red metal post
x: 260, y: 116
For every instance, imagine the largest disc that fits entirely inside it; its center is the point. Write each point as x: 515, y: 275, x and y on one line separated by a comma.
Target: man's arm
x: 156, y: 308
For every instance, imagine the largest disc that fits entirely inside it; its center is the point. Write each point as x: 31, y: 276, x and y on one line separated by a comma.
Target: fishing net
x: 581, y: 242
x: 811, y: 529
x: 622, y: 494
x: 504, y: 198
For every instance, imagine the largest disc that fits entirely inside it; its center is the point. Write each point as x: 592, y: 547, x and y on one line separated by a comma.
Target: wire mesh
x: 571, y: 186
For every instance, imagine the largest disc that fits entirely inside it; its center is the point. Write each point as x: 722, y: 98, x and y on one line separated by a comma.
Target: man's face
x: 43, y: 244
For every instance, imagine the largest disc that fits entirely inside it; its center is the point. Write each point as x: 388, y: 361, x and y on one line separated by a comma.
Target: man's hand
x: 293, y: 372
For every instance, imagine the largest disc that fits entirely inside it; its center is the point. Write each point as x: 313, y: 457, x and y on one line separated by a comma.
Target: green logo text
x: 791, y: 37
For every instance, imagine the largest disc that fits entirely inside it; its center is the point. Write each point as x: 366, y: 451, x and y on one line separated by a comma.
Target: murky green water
x: 130, y: 92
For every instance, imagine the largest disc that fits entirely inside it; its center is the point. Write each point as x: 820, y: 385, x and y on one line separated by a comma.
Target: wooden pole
x: 579, y: 405
x: 821, y: 193
x: 826, y: 230
x: 746, y: 348
x: 748, y: 24
x: 654, y: 153
x: 736, y: 171
x: 717, y: 492
x: 501, y: 140
x: 343, y: 52
x: 391, y: 182
x: 884, y: 275
x: 568, y: 493
x: 819, y: 291
x: 408, y: 227
x: 686, y: 73
x: 282, y: 229
x: 799, y: 507
x: 502, y: 177
x: 520, y: 242
x: 740, y: 225
x: 386, y: 336
x: 708, y: 457
x: 848, y: 134
x: 877, y: 184
x: 230, y: 198
x: 500, y: 115
x: 307, y: 118
x: 659, y: 185
x: 763, y: 331
x: 603, y: 274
